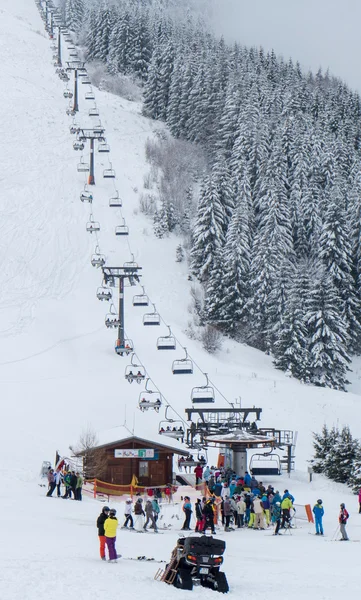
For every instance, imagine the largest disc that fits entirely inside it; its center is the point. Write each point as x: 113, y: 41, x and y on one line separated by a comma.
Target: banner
x: 136, y: 453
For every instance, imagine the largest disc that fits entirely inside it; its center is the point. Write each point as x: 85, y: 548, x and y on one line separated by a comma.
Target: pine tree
x: 323, y: 443
x: 74, y: 14
x: 340, y: 459
x: 179, y: 257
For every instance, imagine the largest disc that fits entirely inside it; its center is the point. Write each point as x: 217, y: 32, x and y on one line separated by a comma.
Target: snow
x: 59, y: 373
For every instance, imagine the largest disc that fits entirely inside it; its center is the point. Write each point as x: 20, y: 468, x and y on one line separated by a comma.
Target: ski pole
x: 335, y: 533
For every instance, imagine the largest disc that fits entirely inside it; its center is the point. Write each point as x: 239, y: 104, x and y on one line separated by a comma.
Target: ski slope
x: 59, y: 373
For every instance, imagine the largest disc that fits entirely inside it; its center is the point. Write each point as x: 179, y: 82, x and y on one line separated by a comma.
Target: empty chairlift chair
x: 104, y: 293
x: 103, y: 147
x: 86, y: 80
x: 152, y: 318
x: 83, y: 167
x: 265, y: 464
x: 124, y: 347
x: 141, y: 299
x: 109, y: 173
x: 203, y: 394
x: 93, y: 111
x: 134, y: 372
x: 122, y: 229
x: 82, y: 72
x: 97, y: 259
x: 166, y: 342
x: 89, y: 95
x: 92, y: 226
x: 183, y: 366
x: 115, y: 201
x: 149, y: 399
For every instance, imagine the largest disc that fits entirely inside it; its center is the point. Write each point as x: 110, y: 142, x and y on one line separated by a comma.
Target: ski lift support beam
x: 91, y: 135
x: 217, y: 421
x: 121, y: 273
x: 74, y: 66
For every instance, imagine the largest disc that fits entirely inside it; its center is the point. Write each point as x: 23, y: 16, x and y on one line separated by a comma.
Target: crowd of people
x: 72, y: 482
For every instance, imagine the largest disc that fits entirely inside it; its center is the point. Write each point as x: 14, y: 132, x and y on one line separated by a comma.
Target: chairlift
x: 122, y: 229
x: 67, y: 94
x: 86, y: 196
x: 93, y: 111
x: 71, y: 47
x: 73, y: 54
x: 203, y: 394
x: 112, y: 319
x: 64, y: 76
x: 152, y: 318
x: 174, y: 431
x: 103, y: 147
x: 166, y: 342
x: 98, y: 128
x: 92, y: 226
x: 141, y: 299
x: 134, y: 372
x: 86, y: 81
x: 265, y: 464
x: 83, y: 167
x: 109, y: 173
x: 149, y: 399
x: 78, y: 145
x: 89, y: 95
x: 130, y: 266
x: 115, y: 201
x: 82, y: 73
x: 74, y: 128
x: 97, y: 259
x: 182, y: 366
x: 126, y: 347
x: 70, y: 111
x: 104, y: 293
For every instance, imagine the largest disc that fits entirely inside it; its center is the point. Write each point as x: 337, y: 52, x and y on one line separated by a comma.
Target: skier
x: 286, y: 506
x: 51, y: 482
x: 199, y: 516
x: 276, y: 517
x: 150, y: 516
x: 318, y: 512
x: 139, y: 514
x: 187, y: 509
x: 227, y: 511
x: 128, y: 515
x: 101, y: 533
x: 110, y: 530
x: 342, y: 519
x: 208, y: 514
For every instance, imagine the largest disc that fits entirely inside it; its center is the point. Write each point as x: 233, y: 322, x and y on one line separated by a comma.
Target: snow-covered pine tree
x: 340, y: 459
x: 208, y: 237
x: 354, y: 480
x: 179, y: 253
x: 323, y: 443
x: 74, y: 14
x: 328, y: 357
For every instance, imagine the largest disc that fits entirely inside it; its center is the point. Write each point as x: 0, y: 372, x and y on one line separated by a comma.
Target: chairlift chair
x: 71, y: 47
x: 134, y: 372
x: 73, y: 54
x: 89, y: 96
x: 141, y: 299
x: 127, y: 347
x: 82, y: 73
x: 112, y: 320
x: 122, y: 229
x: 93, y: 112
x: 74, y: 128
x: 97, y: 259
x: 86, y: 81
x: 109, y: 173
x: 68, y: 94
x: 149, y: 399
x: 78, y: 145
x: 70, y: 111
x: 172, y: 427
x: 152, y: 318
x: 115, y: 201
x: 104, y: 293
x: 86, y: 196
x: 265, y: 464
x: 166, y: 342
x: 130, y: 266
x: 98, y: 128
x: 92, y: 226
x: 103, y: 147
x: 203, y: 394
x: 83, y: 167
x: 182, y: 366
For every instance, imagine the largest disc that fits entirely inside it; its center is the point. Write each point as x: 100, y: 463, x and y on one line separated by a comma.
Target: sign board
x: 134, y: 453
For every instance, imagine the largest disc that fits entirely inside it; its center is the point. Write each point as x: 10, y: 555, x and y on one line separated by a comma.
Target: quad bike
x: 196, y: 560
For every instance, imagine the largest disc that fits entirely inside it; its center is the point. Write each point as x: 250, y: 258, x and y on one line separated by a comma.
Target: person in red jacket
x: 342, y: 519
x: 198, y: 473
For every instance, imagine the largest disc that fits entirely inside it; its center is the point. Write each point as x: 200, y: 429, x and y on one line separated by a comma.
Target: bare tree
x: 94, y: 459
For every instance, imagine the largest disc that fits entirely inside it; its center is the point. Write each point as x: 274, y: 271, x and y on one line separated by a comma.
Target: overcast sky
x: 324, y: 33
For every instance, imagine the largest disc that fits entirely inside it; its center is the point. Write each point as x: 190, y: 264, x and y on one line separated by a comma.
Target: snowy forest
x: 275, y: 228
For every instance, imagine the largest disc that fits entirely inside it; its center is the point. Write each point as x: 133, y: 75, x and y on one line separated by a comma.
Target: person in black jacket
x: 73, y: 482
x: 208, y: 513
x: 101, y: 533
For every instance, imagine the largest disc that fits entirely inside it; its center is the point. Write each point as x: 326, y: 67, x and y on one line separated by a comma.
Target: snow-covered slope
x: 59, y: 372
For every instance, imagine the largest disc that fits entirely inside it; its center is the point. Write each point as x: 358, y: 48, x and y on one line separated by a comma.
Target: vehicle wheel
x: 220, y: 583
x: 183, y: 580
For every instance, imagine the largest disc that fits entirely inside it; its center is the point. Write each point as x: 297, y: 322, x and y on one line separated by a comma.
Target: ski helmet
x: 112, y: 511
x: 106, y: 509
x: 319, y: 501
x: 342, y: 505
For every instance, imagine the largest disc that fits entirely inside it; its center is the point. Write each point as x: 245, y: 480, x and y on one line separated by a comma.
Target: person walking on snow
x: 318, y: 512
x: 128, y: 514
x: 342, y: 519
x: 139, y: 515
x: 150, y: 517
x: 51, y: 482
x: 187, y: 509
x: 110, y: 529
x: 101, y: 533
x: 276, y: 517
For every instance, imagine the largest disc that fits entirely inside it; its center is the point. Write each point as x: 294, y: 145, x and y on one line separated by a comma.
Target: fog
x: 317, y: 33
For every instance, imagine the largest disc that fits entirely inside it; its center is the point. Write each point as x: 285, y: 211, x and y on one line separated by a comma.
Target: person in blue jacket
x: 318, y: 512
x: 288, y: 495
x: 247, y: 480
x: 276, y: 498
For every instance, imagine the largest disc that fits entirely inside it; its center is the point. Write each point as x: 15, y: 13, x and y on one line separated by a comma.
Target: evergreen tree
x: 323, y: 443
x: 179, y: 256
x: 340, y: 459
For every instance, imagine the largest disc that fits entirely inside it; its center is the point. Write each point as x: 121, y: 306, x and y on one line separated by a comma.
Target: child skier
x: 128, y: 514
x: 318, y: 512
x: 110, y: 529
x: 342, y: 519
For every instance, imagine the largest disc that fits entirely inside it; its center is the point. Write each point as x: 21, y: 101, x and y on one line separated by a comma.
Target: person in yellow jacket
x: 286, y: 506
x: 110, y: 530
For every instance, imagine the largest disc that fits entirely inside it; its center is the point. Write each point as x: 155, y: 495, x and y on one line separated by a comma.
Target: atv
x: 196, y: 560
